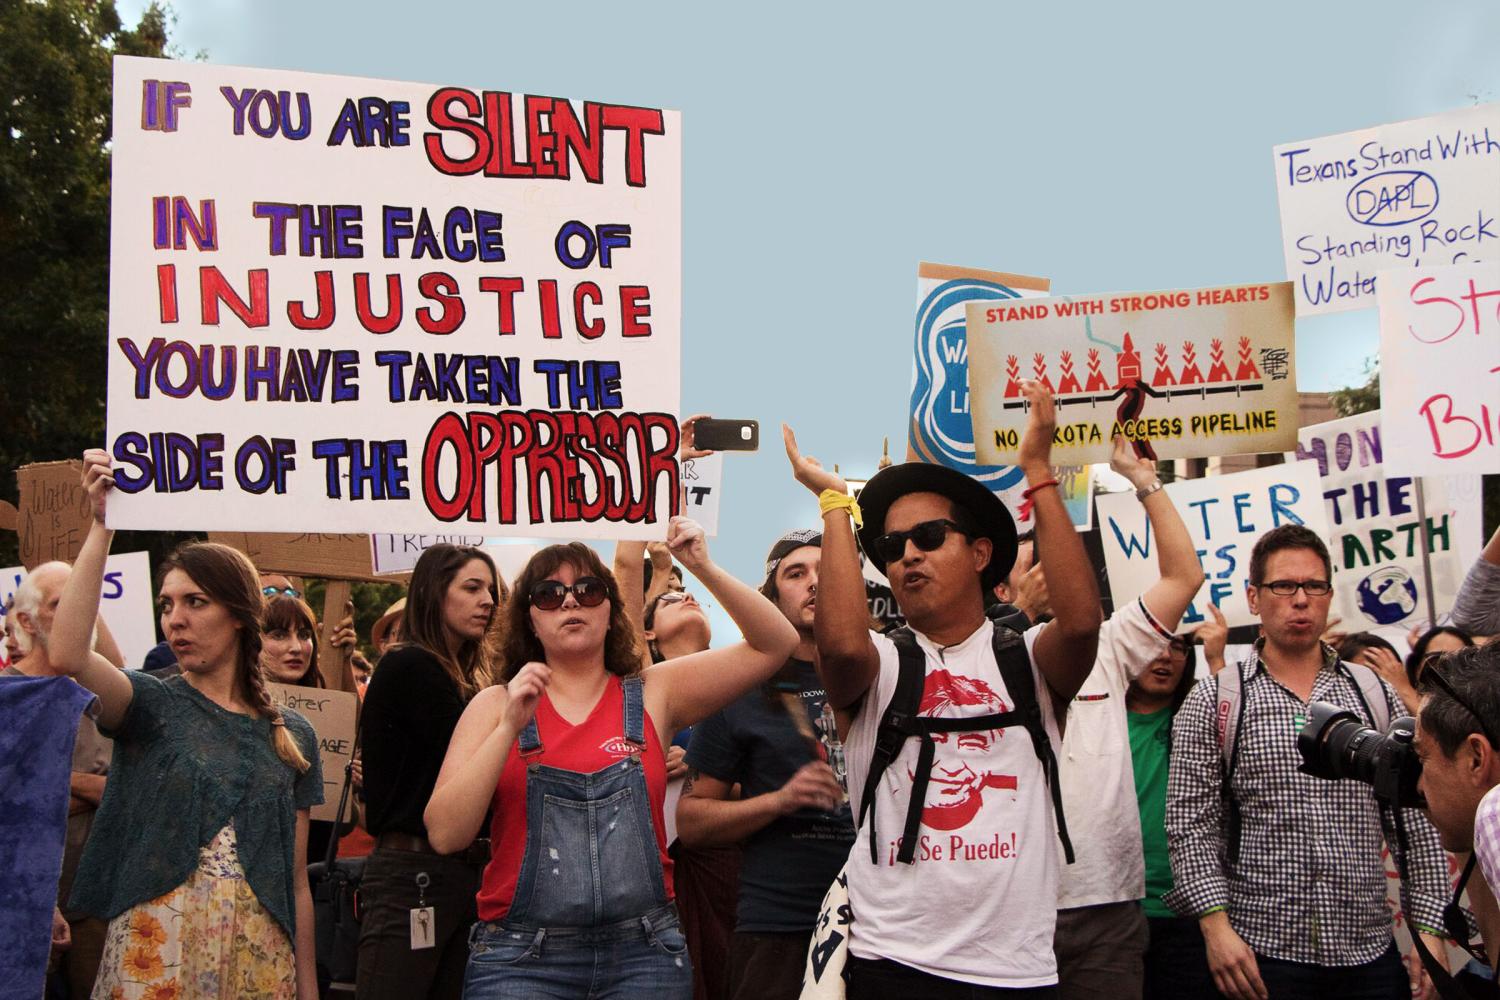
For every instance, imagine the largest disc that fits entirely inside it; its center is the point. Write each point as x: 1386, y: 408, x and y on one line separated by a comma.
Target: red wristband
x: 1026, y: 493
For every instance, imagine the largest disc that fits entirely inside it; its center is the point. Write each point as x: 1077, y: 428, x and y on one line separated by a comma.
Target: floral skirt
x: 209, y: 937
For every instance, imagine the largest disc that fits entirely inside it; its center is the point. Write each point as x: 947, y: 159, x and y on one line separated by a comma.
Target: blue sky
x: 828, y: 148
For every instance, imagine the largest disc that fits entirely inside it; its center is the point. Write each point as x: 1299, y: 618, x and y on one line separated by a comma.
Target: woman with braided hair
x: 196, y: 856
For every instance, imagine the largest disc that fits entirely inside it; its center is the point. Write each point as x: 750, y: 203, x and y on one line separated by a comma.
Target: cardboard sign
x: 341, y: 304
x: 392, y: 554
x: 941, y: 430
x: 332, y: 715
x: 1183, y: 374
x: 54, y: 514
x: 1225, y: 515
x: 1375, y: 537
x: 1420, y: 192
x: 325, y: 557
x: 1440, y: 339
x: 702, y: 489
x: 127, y: 602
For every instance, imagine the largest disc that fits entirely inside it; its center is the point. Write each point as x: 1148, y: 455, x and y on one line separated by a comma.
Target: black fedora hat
x: 891, y: 483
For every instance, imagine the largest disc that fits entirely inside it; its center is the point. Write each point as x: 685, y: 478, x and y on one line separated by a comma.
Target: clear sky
x: 830, y: 147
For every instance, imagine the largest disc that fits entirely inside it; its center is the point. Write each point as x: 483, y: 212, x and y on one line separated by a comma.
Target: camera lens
x: 1335, y: 744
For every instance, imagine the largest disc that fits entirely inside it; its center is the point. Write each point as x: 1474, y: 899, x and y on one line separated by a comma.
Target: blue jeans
x: 1383, y: 979
x: 645, y: 957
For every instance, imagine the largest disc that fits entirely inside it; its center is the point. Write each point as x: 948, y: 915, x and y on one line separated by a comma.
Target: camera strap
x: 1448, y: 988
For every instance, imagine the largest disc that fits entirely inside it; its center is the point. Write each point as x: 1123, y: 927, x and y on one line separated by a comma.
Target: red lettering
x: 635, y: 306
x: 297, y: 311
x: 442, y: 289
x: 441, y: 117
x: 449, y: 430
x: 213, y: 288
x: 505, y: 289
x: 1448, y: 418
x: 367, y: 317
x: 166, y: 291
x: 590, y: 329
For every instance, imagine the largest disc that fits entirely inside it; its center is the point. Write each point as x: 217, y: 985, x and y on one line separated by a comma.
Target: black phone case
x: 724, y: 435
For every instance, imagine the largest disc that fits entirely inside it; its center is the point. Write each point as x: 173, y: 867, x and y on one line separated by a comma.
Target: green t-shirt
x: 1150, y: 750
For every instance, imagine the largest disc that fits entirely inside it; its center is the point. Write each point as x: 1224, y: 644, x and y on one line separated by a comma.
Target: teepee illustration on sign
x: 1129, y: 369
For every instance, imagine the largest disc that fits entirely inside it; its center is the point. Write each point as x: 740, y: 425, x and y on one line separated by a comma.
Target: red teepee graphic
x: 1218, y: 371
x: 1069, y: 381
x: 1247, y: 371
x: 1097, y: 382
x: 1190, y: 373
x: 1012, y: 376
x: 1039, y: 367
x: 1163, y: 374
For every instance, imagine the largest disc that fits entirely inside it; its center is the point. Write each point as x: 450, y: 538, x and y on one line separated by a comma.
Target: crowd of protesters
x: 564, y: 789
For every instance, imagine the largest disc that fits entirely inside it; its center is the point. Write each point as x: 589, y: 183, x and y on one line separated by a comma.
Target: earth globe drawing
x: 1387, y: 595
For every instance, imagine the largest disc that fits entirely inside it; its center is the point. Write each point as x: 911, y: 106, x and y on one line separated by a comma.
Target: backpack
x: 901, y: 722
x: 1229, y: 687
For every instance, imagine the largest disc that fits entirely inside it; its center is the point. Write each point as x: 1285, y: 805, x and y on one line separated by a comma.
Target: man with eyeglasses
x: 1283, y: 870
x: 966, y: 906
x: 1458, y: 746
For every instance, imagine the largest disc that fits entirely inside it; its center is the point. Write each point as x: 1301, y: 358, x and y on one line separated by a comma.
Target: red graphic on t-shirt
x: 955, y: 788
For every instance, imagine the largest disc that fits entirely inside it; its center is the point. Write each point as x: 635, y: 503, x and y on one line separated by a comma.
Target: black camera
x: 1335, y: 743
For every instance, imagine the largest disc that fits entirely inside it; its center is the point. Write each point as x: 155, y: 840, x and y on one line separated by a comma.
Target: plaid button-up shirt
x: 1309, y: 885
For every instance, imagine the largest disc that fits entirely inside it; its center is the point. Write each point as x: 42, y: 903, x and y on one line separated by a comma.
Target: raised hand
x: 524, y: 691
x: 98, y: 478
x: 1041, y: 422
x: 687, y: 446
x: 687, y: 543
x: 1122, y: 459
x: 808, y: 470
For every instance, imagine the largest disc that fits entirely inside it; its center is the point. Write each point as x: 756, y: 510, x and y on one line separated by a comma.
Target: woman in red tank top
x: 576, y: 900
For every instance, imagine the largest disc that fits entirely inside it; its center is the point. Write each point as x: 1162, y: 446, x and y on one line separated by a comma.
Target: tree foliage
x: 55, y: 59
x: 1359, y: 398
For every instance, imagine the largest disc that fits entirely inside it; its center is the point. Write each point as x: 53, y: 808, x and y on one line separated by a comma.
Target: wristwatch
x: 1146, y: 491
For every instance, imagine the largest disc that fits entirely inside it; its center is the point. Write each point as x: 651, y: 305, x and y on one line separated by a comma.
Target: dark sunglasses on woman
x: 588, y: 591
x: 926, y: 536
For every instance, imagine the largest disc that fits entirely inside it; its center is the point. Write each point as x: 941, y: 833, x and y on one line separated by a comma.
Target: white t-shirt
x: 979, y: 904
x: 1098, y: 780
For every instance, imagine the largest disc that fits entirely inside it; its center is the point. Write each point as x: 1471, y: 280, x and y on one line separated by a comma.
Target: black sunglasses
x: 549, y: 595
x: 926, y: 536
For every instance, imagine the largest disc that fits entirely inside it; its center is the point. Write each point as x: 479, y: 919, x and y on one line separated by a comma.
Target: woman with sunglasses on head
x: 577, y: 899
x: 417, y: 906
x: 196, y: 854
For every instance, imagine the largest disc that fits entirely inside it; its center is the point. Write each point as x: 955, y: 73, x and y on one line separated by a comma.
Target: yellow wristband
x: 834, y: 500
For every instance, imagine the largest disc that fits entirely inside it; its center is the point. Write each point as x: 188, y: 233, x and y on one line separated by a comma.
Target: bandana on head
x: 788, y: 543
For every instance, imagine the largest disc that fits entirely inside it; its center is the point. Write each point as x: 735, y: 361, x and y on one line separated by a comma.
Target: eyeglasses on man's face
x: 927, y: 536
x: 1286, y: 588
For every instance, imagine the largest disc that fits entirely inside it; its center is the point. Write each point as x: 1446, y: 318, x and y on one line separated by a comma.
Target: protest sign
x: 1075, y: 484
x: 1182, y: 374
x: 393, y: 554
x: 369, y: 306
x: 1224, y: 515
x: 702, y: 489
x: 1400, y: 195
x: 55, y: 513
x: 1375, y: 537
x: 325, y: 557
x: 332, y: 715
x: 127, y: 602
x: 1442, y: 414
x: 940, y: 429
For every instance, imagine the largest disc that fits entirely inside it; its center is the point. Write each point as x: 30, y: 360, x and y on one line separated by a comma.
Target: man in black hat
x: 965, y: 906
x: 792, y: 814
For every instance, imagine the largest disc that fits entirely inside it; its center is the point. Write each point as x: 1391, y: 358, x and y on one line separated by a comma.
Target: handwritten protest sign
x: 390, y: 554
x: 1183, y: 374
x: 702, y: 490
x: 324, y: 556
x: 941, y: 430
x: 54, y: 515
x: 361, y: 305
x: 1375, y: 536
x: 1420, y: 192
x: 1225, y: 515
x: 127, y: 602
x: 332, y: 716
x: 1440, y: 339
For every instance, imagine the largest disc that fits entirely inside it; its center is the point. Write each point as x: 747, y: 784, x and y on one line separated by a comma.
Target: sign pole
x: 1426, y: 553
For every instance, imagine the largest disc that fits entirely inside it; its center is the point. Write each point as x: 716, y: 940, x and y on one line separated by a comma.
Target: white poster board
x: 1419, y: 192
x: 369, y: 306
x: 395, y: 554
x: 703, y: 489
x: 1224, y: 515
x: 127, y: 602
x: 1374, y: 534
x: 1440, y: 365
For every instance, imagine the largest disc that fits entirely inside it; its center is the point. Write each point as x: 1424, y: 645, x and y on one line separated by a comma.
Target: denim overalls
x: 590, y: 917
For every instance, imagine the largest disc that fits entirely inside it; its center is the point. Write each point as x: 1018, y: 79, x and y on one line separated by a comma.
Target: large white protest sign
x: 1440, y: 369
x: 127, y: 602
x: 1224, y: 515
x: 703, y: 489
x: 332, y: 715
x: 394, y: 554
x: 341, y: 304
x: 1182, y: 373
x: 940, y: 428
x: 1375, y: 536
x: 1420, y: 192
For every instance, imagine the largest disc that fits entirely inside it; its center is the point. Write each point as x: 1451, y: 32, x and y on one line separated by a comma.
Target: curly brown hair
x: 622, y: 653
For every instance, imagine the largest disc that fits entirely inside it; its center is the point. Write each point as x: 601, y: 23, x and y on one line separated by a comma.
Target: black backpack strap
x: 896, y: 724
x: 1020, y: 682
